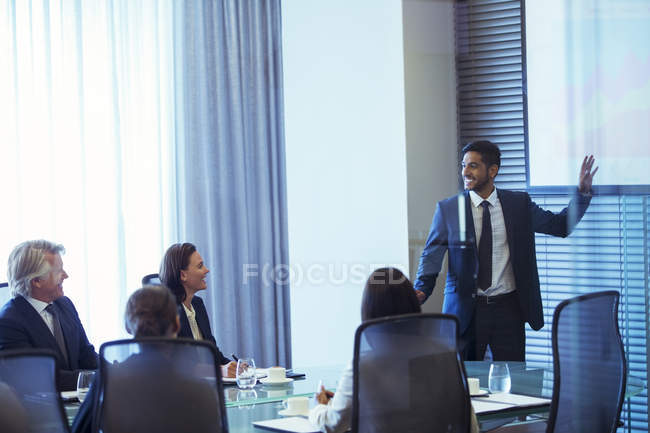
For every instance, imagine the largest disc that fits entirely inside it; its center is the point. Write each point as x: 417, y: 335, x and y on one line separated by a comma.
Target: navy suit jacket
x: 522, y: 218
x: 204, y: 326
x: 22, y: 327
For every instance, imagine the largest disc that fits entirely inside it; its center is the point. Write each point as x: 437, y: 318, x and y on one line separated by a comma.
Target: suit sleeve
x: 562, y: 223
x: 13, y: 335
x: 87, y: 354
x: 433, y: 254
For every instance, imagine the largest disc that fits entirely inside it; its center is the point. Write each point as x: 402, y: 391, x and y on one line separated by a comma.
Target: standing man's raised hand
x: 586, y: 175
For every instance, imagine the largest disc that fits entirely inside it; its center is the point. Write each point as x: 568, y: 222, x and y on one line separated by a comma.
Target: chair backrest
x: 151, y: 280
x: 157, y: 385
x: 29, y: 400
x: 589, y: 366
x: 408, y: 376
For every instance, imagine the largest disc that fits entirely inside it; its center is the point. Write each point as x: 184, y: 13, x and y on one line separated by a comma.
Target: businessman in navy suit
x: 39, y: 316
x: 492, y: 281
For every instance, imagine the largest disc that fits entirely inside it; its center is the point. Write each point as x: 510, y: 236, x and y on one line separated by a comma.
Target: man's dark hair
x: 176, y: 259
x: 490, y: 153
x: 388, y: 292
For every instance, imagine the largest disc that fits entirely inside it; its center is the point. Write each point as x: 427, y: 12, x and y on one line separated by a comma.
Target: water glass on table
x: 84, y: 380
x: 246, y: 376
x: 499, y: 377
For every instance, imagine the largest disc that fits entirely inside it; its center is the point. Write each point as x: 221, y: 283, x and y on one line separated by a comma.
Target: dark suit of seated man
x: 39, y: 316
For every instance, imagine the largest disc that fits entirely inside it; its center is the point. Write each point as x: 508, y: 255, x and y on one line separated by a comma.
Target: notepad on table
x: 292, y: 424
x: 498, y: 402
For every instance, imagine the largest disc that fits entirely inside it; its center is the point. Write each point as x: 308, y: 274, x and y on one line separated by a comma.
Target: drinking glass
x: 246, y: 377
x: 84, y: 380
x: 499, y: 377
x: 247, y: 397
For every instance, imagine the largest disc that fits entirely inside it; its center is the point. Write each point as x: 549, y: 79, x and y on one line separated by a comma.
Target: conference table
x: 263, y: 402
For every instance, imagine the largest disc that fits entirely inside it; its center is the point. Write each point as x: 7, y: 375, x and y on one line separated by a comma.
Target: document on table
x: 497, y: 402
x: 68, y: 395
x: 292, y: 424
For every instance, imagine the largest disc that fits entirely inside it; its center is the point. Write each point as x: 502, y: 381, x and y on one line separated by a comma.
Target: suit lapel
x: 36, y: 326
x: 508, y: 217
x: 469, y: 223
x: 196, y: 303
x: 185, y: 330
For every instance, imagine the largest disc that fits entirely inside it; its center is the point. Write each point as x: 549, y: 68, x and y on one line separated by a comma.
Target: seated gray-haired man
x: 39, y: 316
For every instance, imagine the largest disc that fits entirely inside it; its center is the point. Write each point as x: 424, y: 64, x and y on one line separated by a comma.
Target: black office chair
x: 155, y: 385
x: 408, y: 376
x: 151, y: 280
x: 29, y: 400
x: 589, y: 369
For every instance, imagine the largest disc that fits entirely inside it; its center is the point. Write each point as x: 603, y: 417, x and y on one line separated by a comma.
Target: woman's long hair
x: 176, y: 259
x: 388, y: 292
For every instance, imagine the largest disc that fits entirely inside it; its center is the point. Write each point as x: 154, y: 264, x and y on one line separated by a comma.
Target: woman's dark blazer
x: 204, y: 326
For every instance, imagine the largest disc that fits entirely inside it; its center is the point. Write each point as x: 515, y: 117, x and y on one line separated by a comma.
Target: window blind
x: 610, y: 247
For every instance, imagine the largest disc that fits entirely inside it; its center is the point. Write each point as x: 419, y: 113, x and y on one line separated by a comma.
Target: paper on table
x: 68, y: 395
x: 502, y: 401
x: 292, y: 424
x: 484, y: 405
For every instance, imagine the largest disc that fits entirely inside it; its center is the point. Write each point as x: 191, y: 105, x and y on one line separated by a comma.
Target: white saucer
x: 286, y: 412
x: 266, y: 381
x: 480, y: 393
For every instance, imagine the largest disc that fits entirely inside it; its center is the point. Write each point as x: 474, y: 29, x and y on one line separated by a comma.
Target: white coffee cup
x: 474, y: 385
x: 276, y: 374
x: 296, y: 405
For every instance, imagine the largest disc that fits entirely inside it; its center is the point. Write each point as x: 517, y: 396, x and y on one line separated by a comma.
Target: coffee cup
x: 276, y: 374
x: 296, y: 405
x: 474, y: 385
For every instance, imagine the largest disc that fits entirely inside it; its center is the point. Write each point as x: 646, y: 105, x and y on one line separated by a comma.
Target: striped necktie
x: 58, y: 333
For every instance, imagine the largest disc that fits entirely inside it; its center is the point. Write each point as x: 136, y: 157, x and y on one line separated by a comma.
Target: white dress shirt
x: 40, y: 307
x: 191, y: 317
x: 336, y: 416
x: 503, y: 279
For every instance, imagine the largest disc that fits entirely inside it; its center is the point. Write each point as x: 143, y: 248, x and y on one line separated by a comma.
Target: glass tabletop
x: 304, y: 386
x: 265, y: 401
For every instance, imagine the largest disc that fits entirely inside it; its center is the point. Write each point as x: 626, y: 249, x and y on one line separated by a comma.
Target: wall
x: 346, y: 163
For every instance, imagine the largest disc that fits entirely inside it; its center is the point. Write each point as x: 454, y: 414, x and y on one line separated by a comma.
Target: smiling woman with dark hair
x: 182, y: 270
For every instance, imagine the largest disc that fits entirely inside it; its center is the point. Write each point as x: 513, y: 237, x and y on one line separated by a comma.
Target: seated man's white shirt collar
x: 40, y: 307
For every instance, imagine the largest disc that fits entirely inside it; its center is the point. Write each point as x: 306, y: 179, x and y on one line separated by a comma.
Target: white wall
x: 346, y: 163
x: 431, y: 126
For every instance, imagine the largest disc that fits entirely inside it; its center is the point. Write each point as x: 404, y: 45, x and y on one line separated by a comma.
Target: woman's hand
x: 324, y: 395
x: 229, y: 370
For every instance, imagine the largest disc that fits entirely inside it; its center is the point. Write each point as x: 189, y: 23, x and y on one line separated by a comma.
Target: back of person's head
x: 490, y: 152
x: 13, y: 415
x: 177, y: 257
x: 151, y: 312
x: 27, y: 261
x: 388, y: 292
